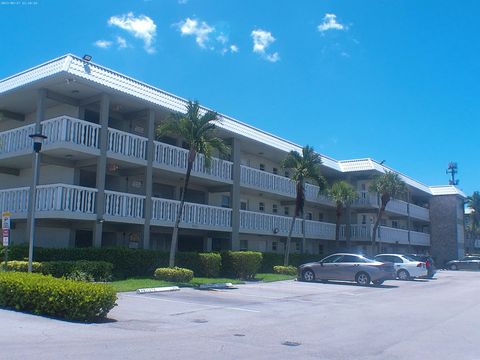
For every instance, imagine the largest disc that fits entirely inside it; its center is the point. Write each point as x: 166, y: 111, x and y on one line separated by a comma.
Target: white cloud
x: 200, y: 29
x: 261, y: 41
x: 182, y: 2
x: 330, y: 23
x: 141, y: 27
x: 121, y: 42
x: 234, y: 48
x: 104, y: 44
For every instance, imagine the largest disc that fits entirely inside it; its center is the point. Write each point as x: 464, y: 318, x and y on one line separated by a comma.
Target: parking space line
x: 193, y: 303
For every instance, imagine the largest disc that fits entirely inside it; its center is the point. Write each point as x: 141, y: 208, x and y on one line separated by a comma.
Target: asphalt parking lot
x: 421, y: 319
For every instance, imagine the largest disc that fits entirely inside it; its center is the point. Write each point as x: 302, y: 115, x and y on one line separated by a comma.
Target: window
x: 225, y: 201
x: 286, y: 211
x: 364, y: 219
x: 261, y: 206
x: 395, y: 224
x: 383, y: 222
x: 243, y: 205
x: 262, y: 167
x: 349, y: 259
x: 297, y: 246
x: 397, y: 259
x: 309, y: 216
x: 320, y: 249
x: 274, y: 209
x: 243, y: 244
x: 274, y: 246
x: 331, y: 259
x: 320, y: 217
x: 275, y: 171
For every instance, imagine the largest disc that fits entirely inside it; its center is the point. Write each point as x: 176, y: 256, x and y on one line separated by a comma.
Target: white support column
x: 101, y: 170
x: 149, y: 178
x: 235, y: 195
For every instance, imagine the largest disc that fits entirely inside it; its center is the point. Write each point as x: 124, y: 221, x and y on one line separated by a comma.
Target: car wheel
x: 308, y: 275
x: 453, y: 267
x: 362, y: 279
x: 403, y: 274
x: 378, y: 282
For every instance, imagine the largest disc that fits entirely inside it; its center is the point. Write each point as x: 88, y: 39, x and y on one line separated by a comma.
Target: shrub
x: 272, y: 259
x: 21, y: 266
x: 79, y: 275
x: 96, y: 270
x: 209, y: 265
x: 174, y: 274
x: 285, y: 270
x: 62, y: 298
x: 241, y: 264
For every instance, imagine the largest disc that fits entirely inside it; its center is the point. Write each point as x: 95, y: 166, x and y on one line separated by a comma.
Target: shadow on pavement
x: 371, y: 286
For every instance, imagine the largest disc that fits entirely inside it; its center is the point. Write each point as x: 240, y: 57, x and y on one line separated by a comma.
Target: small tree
x: 473, y: 203
x: 305, y: 166
x: 387, y: 186
x: 198, y: 131
x: 343, y: 194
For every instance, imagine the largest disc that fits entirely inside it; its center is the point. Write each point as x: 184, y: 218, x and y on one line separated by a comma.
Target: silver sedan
x: 347, y: 267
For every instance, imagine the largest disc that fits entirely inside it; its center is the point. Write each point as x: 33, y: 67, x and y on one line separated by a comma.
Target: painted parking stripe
x: 193, y: 303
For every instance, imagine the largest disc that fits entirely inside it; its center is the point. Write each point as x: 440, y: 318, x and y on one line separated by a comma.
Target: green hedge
x: 209, y: 265
x: 285, y: 270
x: 21, y: 266
x: 272, y: 259
x: 241, y: 264
x: 174, y: 274
x: 62, y: 298
x: 97, y: 270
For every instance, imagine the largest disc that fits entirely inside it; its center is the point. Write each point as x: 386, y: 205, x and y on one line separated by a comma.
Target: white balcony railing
x: 366, y: 198
x: 358, y: 232
x: 175, y: 158
x: 312, y: 193
x: 124, y: 205
x: 419, y: 238
x: 16, y: 140
x: 269, y: 224
x: 70, y: 130
x: 127, y: 144
x: 419, y: 212
x: 70, y: 198
x: 397, y: 207
x: 193, y: 215
x: 392, y: 235
x: 266, y: 181
x: 14, y: 200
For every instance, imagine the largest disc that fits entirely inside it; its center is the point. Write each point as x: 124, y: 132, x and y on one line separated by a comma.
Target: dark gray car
x: 347, y: 267
x: 466, y: 263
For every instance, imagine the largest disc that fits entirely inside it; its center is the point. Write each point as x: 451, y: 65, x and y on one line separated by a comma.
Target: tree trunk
x: 173, y: 245
x: 375, y: 229
x: 289, y: 239
x: 338, y: 213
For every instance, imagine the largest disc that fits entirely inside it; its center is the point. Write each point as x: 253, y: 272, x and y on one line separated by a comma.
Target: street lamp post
x: 37, y: 138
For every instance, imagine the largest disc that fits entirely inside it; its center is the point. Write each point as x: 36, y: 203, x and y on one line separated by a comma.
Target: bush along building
x: 107, y: 179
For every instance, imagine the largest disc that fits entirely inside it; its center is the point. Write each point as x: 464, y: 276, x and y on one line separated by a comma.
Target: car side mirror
x: 321, y: 263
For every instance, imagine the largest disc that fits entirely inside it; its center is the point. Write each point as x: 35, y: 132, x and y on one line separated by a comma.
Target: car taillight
x: 420, y: 265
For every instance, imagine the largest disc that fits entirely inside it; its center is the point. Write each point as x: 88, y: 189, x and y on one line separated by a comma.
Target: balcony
x: 268, y: 224
x: 194, y: 216
x: 272, y: 183
x: 360, y: 232
x: 419, y: 212
x: 52, y: 201
x: 173, y: 158
x: 124, y: 207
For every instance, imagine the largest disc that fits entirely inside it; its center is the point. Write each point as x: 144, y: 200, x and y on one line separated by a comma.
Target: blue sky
x: 392, y: 80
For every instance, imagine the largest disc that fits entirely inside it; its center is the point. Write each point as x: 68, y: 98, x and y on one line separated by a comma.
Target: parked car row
x: 470, y: 262
x: 363, y: 270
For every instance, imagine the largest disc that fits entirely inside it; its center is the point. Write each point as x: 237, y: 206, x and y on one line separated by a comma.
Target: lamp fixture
x: 87, y: 57
x: 37, y: 141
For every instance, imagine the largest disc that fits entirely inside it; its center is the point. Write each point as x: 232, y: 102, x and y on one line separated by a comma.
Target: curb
x: 216, y: 286
x: 158, y: 289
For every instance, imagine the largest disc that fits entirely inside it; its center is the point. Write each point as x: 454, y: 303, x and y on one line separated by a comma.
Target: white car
x: 405, y: 267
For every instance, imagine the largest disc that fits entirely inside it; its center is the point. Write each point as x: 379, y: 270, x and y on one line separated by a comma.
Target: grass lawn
x: 139, y: 283
x: 273, y: 277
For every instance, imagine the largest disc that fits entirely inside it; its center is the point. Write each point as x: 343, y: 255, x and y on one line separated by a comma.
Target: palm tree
x: 305, y: 166
x: 343, y: 194
x: 387, y: 186
x: 198, y: 131
x: 473, y: 203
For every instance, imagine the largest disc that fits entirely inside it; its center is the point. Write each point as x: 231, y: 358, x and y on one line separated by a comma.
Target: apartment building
x: 106, y: 179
